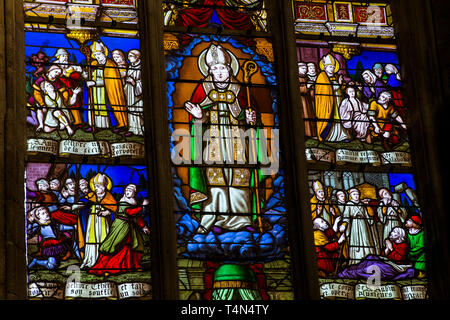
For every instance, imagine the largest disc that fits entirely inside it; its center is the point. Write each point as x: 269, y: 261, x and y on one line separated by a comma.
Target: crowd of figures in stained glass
x: 88, y: 225
x: 368, y: 235
x: 84, y: 100
x: 90, y: 222
x: 353, y: 106
x: 84, y: 87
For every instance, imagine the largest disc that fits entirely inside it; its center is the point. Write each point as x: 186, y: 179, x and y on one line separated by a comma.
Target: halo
x: 204, y: 69
x: 105, y: 49
x: 336, y: 68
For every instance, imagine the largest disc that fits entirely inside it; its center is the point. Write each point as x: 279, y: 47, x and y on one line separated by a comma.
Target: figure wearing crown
x: 220, y: 105
x: 106, y: 91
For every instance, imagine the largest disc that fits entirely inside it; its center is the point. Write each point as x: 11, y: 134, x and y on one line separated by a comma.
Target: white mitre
x: 97, y: 46
x: 329, y: 60
x: 317, y: 186
x: 217, y: 55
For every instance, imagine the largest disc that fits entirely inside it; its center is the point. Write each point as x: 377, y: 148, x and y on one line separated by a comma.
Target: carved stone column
x: 12, y: 151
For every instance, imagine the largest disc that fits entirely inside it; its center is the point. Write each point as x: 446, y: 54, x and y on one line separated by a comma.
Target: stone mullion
x: 12, y: 148
x: 292, y: 141
x: 164, y: 245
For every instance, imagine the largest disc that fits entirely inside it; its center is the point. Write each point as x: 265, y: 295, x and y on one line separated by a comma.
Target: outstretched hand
x: 194, y: 109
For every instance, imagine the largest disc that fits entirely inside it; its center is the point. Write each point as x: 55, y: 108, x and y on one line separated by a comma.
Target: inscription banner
x: 88, y: 148
x: 342, y: 156
x: 362, y: 291
x: 79, y: 290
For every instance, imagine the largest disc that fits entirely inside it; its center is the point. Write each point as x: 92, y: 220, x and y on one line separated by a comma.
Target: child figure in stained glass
x: 57, y: 115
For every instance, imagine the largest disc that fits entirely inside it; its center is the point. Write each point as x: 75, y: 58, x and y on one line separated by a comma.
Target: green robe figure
x: 122, y: 249
x: 416, y: 244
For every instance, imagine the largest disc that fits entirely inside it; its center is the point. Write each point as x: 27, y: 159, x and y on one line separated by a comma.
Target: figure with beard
x: 416, y: 243
x: 71, y: 76
x: 122, y: 249
x: 55, y: 186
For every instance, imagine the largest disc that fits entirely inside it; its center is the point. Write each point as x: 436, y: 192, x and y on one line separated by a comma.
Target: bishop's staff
x: 87, y: 53
x: 250, y: 68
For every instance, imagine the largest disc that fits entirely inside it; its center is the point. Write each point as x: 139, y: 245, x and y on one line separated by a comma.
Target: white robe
x: 57, y: 104
x: 337, y: 132
x: 98, y: 116
x: 229, y: 205
x: 97, y: 228
x: 135, y: 103
x: 353, y: 114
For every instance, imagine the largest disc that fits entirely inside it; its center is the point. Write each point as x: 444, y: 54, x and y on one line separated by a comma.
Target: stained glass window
x: 88, y: 223
x: 366, y: 217
x: 87, y: 184
x: 229, y: 184
x: 250, y: 15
